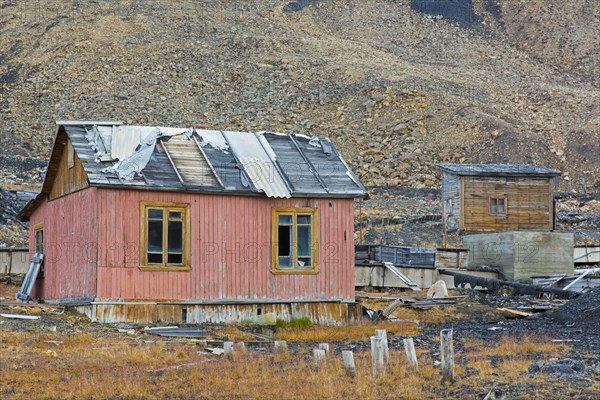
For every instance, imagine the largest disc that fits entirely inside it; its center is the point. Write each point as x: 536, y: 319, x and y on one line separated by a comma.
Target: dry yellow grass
x: 357, y: 331
x: 511, y: 346
x: 33, y: 366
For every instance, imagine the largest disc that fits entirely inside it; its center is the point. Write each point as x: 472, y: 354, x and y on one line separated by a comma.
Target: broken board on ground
x: 32, y: 273
x: 175, y: 331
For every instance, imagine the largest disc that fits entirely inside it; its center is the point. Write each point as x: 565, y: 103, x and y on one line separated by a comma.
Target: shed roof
x: 198, y: 160
x: 499, y: 170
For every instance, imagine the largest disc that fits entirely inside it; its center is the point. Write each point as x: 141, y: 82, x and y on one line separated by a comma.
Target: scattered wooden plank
x: 20, y: 316
x: 215, y: 350
x: 516, y: 312
x: 264, y: 338
x: 29, y: 281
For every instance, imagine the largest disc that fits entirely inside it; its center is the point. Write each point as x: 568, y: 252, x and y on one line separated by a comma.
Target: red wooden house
x: 183, y: 225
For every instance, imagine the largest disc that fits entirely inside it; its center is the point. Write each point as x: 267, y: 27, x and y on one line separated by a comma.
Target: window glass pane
x: 174, y: 214
x: 304, y: 240
x: 154, y: 258
x: 304, y: 262
x: 175, y: 258
x: 175, y: 237
x: 155, y: 214
x: 493, y: 205
x: 285, y: 220
x: 501, y: 205
x: 303, y: 219
x: 155, y: 236
x: 285, y: 241
x: 39, y: 241
x: 285, y: 262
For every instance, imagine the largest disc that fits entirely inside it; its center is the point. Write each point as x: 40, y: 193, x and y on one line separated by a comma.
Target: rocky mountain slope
x: 397, y: 89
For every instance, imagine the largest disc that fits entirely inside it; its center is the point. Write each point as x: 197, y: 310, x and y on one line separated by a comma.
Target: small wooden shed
x: 497, y: 197
x: 165, y: 224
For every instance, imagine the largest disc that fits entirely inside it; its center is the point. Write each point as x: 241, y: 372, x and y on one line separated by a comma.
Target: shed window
x: 39, y: 239
x: 165, y: 236
x: 295, y: 243
x: 498, y: 205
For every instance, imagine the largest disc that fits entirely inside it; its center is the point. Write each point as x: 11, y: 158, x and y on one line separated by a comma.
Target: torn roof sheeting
x: 258, y: 160
x: 275, y: 164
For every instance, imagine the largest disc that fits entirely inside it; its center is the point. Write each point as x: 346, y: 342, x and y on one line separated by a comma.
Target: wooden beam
x: 171, y: 161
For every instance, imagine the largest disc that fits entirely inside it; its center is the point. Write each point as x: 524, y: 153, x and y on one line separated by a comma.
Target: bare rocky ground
x: 397, y: 89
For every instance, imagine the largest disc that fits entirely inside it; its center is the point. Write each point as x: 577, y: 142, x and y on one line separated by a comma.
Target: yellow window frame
x: 314, y: 228
x: 184, y: 209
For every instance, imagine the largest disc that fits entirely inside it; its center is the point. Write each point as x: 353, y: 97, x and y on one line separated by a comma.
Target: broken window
x: 165, y: 235
x: 39, y: 239
x: 498, y: 205
x: 295, y: 240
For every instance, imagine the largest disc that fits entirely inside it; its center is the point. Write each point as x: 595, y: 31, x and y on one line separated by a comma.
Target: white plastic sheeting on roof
x: 125, y: 139
x: 214, y: 139
x: 134, y: 157
x: 99, y: 139
x: 257, y: 159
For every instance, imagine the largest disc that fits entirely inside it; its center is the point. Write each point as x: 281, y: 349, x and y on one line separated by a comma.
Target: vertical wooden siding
x: 70, y: 245
x: 68, y: 178
x: 451, y: 191
x: 231, y: 252
x: 529, y: 204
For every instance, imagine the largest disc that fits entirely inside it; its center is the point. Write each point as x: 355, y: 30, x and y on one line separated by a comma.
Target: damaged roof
x: 498, y: 170
x: 199, y: 160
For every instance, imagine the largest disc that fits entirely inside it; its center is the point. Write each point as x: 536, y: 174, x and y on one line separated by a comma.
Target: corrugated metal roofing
x: 498, y: 170
x: 258, y: 160
x: 275, y: 164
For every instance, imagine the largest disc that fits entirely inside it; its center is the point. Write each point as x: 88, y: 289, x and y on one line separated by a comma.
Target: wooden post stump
x: 377, y: 359
x: 319, y: 356
x: 240, y: 346
x: 411, y: 354
x: 325, y: 347
x: 349, y: 366
x: 447, y: 350
x: 280, y: 346
x: 382, y: 334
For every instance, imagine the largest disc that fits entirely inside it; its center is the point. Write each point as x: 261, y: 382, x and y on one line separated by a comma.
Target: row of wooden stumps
x: 380, y: 354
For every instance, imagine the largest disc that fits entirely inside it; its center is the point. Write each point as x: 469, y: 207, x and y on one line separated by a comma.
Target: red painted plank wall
x: 70, y: 245
x: 231, y: 252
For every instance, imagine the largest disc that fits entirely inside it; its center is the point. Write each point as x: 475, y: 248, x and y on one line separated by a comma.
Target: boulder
x: 437, y: 290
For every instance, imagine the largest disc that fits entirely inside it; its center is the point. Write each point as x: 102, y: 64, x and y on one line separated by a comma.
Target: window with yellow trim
x: 295, y: 240
x: 165, y: 235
